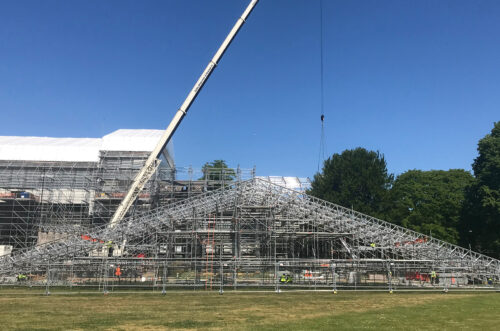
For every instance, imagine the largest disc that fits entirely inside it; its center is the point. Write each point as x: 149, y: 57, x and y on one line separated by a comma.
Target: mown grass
x: 25, y: 310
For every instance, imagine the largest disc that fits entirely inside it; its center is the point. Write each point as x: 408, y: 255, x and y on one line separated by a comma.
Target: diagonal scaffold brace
x: 153, y: 162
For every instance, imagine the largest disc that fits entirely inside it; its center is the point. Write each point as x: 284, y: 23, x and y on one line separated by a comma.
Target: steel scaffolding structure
x: 251, y: 233
x: 41, y: 201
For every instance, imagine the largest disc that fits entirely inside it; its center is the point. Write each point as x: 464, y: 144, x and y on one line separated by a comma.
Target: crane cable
x: 322, y: 143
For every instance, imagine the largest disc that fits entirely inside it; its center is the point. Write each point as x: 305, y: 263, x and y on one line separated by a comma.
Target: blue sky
x: 417, y: 80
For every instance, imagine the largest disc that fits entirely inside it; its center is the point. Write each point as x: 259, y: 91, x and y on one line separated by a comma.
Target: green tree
x: 218, y: 170
x: 481, y: 213
x: 430, y: 201
x: 356, y: 179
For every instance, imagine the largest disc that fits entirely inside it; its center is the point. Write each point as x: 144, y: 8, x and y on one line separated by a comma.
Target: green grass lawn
x: 25, y: 310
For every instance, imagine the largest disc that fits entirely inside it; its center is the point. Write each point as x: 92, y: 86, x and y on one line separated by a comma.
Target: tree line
x: 453, y: 205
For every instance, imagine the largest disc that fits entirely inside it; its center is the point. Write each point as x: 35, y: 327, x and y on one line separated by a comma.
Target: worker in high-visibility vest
x: 372, y: 245
x: 433, y: 277
x: 118, y: 273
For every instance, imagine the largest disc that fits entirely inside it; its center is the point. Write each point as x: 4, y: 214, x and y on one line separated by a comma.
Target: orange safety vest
x: 118, y: 272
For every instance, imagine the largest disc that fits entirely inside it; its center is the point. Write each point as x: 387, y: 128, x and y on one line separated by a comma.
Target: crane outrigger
x: 153, y: 161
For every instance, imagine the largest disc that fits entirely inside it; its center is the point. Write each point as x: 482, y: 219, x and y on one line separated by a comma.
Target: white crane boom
x: 152, y: 162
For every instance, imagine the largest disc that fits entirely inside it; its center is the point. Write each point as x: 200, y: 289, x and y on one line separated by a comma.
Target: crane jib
x: 152, y: 162
x: 203, y: 79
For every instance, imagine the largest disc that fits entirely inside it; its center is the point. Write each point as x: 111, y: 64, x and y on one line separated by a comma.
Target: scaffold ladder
x: 209, y: 253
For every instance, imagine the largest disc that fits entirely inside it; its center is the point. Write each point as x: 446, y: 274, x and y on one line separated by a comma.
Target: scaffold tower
x: 252, y: 233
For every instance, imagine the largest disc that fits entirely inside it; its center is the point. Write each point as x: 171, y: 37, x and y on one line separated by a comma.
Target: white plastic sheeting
x: 77, y: 149
x: 293, y: 183
x: 131, y: 140
x: 49, y: 149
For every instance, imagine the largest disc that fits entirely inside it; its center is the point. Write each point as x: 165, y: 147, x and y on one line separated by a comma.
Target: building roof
x: 77, y: 149
x: 131, y: 140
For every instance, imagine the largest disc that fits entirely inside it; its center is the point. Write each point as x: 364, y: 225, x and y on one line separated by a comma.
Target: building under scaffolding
x: 210, y: 228
x: 51, y: 183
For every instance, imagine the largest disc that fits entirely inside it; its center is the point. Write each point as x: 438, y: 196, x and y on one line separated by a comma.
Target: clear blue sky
x: 417, y: 80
